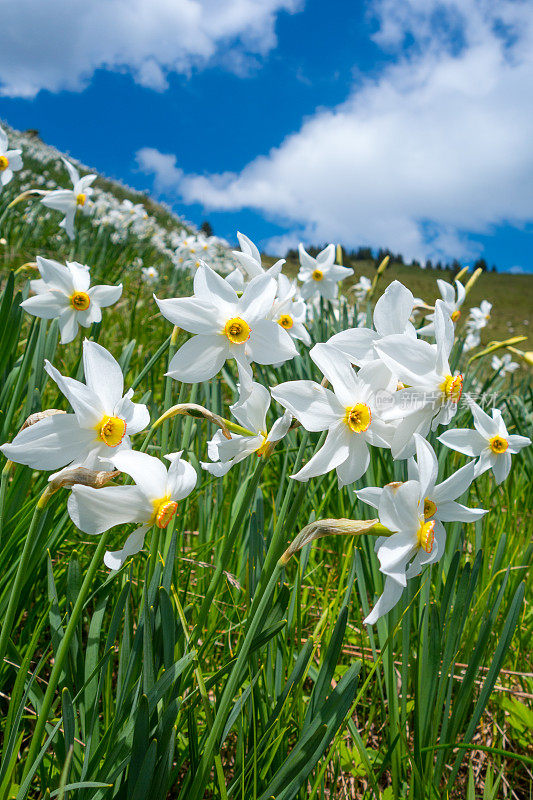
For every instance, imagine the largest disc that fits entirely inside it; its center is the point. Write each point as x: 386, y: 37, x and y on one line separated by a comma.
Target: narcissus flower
x: 415, y: 542
x: 504, y: 365
x: 434, y: 392
x: 65, y: 292
x: 152, y: 501
x: 69, y: 201
x: 101, y: 425
x: 150, y: 274
x: 249, y: 258
x: 349, y: 413
x: 490, y: 442
x: 452, y: 303
x: 321, y: 275
x: 250, y: 412
x: 290, y: 311
x: 226, y: 326
x: 437, y: 500
x: 10, y: 160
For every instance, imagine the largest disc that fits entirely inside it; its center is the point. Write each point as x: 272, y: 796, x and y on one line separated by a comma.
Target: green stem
x: 22, y: 570
x: 3, y: 490
x: 227, y: 550
x: 62, y: 652
x: 213, y: 743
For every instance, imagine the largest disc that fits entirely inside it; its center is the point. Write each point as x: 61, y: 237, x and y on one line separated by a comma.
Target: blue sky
x: 241, y: 135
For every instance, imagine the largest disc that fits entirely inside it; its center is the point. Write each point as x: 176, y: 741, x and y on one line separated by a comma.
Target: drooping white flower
x: 250, y: 412
x: 433, y: 393
x: 65, y: 292
x: 69, y: 201
x: 479, y: 317
x: 150, y: 275
x: 321, y: 275
x: 436, y: 500
x: 490, y: 442
x: 504, y: 365
x: 226, y: 326
x: 415, y: 542
x: 452, y: 299
x: 349, y: 413
x: 153, y: 500
x: 10, y: 160
x: 101, y: 425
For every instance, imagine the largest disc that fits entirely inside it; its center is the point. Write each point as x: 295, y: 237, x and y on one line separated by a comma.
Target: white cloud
x: 58, y: 44
x: 438, y: 144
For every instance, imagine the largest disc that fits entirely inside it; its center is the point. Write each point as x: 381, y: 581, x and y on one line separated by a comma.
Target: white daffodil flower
x: 391, y: 317
x: 150, y: 275
x: 437, y: 500
x: 10, y: 160
x: 490, y: 442
x: 349, y: 413
x: 362, y: 288
x: 152, y: 501
x: 415, y: 542
x: 472, y: 340
x: 250, y: 412
x: 434, y: 392
x: 452, y: 303
x: 479, y: 316
x: 226, y: 326
x: 321, y: 275
x: 290, y: 311
x: 101, y: 425
x: 504, y: 365
x: 68, y: 201
x: 65, y: 292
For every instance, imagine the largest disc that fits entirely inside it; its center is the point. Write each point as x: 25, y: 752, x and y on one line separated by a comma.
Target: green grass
x: 306, y: 701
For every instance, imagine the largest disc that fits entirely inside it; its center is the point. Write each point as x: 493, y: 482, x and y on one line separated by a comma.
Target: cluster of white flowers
x: 383, y: 387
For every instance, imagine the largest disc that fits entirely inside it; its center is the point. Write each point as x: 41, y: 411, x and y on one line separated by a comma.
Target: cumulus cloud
x: 436, y: 145
x: 58, y: 44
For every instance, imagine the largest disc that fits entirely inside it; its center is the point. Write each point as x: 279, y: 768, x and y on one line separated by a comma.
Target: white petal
x: 333, y: 452
x: 428, y: 466
x: 456, y: 512
x: 371, y: 495
x: 357, y: 462
x: 485, y: 425
x: 454, y: 486
x: 394, y: 554
x: 502, y: 467
x: 258, y: 297
x: 251, y: 411
x: 86, y: 404
x: 516, y: 442
x: 105, y: 295
x: 46, y: 306
x: 269, y: 343
x: 213, y: 289
x: 464, y: 440
x: 96, y: 510
x: 81, y: 276
x: 114, y: 559
x: 68, y: 325
x: 50, y: 443
x: 56, y: 275
x: 392, y: 592
x: 337, y: 368
x: 200, y: 358
x: 103, y: 375
x: 135, y: 415
x: 280, y: 427
x: 314, y: 406
x: 409, y: 359
x: 148, y: 472
x: 393, y: 309
x: 194, y: 316
x: 181, y: 478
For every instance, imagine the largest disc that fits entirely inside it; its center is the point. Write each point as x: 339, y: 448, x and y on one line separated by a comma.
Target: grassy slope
x: 323, y: 581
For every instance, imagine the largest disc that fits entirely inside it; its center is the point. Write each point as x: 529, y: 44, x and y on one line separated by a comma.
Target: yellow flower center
x: 455, y: 315
x: 164, y: 510
x: 111, y: 430
x: 498, y: 444
x: 80, y: 199
x: 80, y: 301
x: 317, y: 275
x: 430, y: 508
x: 286, y: 322
x: 452, y: 387
x: 426, y: 535
x: 358, y: 417
x: 4, y: 163
x: 237, y: 330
